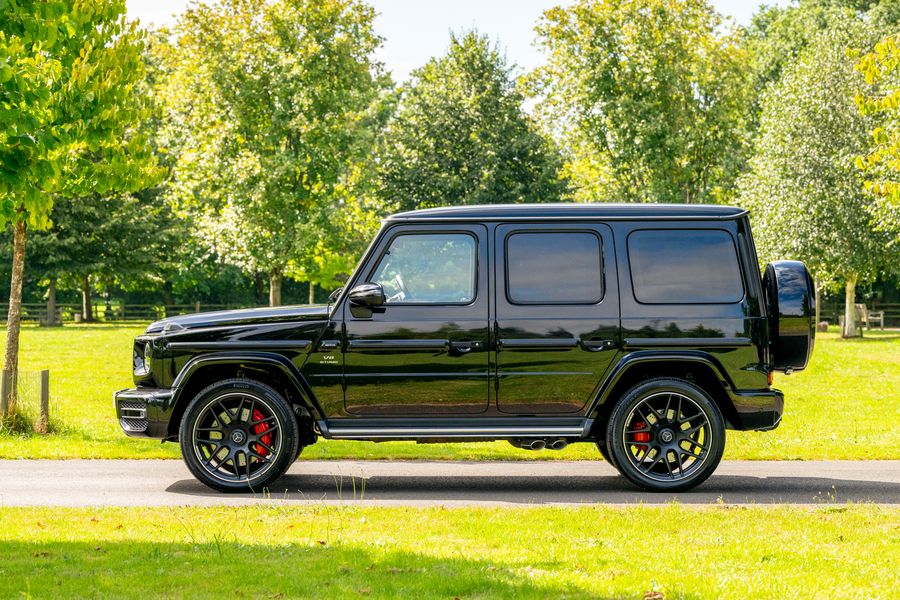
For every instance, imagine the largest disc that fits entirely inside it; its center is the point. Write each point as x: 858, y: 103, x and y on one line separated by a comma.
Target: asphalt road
x: 168, y: 483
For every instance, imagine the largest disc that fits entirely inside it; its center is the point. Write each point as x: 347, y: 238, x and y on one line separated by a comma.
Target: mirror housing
x: 367, y: 295
x: 333, y: 296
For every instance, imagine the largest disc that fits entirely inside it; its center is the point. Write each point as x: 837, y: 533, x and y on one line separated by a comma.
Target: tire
x: 666, y: 435
x: 604, y: 452
x: 251, y: 436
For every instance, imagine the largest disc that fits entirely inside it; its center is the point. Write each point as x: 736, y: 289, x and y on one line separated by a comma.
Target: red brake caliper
x: 261, y: 428
x: 641, y: 436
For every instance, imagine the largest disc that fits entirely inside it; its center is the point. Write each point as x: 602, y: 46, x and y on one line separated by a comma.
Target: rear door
x: 557, y: 321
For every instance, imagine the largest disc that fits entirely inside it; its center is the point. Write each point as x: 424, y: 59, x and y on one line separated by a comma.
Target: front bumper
x: 758, y: 410
x: 141, y: 411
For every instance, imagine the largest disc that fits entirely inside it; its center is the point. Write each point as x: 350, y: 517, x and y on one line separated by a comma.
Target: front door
x: 557, y: 315
x: 425, y: 352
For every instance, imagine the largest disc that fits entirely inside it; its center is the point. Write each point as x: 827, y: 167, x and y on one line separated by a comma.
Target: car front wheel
x: 238, y: 435
x: 666, y: 435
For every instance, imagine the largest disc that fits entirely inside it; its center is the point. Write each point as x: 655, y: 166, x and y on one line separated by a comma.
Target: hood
x: 277, y: 314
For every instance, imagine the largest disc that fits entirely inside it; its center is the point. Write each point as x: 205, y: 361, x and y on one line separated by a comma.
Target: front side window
x: 433, y: 268
x: 685, y: 266
x: 554, y: 268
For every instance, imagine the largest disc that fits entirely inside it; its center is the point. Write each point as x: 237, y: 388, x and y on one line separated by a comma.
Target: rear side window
x: 685, y: 266
x: 554, y: 268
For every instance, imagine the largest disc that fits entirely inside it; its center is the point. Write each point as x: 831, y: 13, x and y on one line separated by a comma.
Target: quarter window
x: 554, y: 268
x: 428, y: 269
x: 686, y: 266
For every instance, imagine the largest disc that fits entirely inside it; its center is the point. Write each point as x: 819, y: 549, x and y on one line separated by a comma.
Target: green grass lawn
x: 845, y: 406
x: 339, y: 552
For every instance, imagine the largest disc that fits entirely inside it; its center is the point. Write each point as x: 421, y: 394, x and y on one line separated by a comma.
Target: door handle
x: 597, y: 345
x: 329, y: 344
x: 464, y: 347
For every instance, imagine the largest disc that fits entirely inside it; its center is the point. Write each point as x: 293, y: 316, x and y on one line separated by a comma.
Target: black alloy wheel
x: 666, y: 435
x: 238, y: 435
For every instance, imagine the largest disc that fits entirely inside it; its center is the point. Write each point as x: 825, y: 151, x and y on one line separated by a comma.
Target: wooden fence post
x: 4, y: 393
x: 43, y: 423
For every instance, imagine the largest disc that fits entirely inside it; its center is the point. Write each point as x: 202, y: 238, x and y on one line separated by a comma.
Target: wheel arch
x: 274, y: 370
x: 699, y: 368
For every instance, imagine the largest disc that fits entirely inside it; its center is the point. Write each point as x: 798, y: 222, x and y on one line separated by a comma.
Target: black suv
x: 644, y: 329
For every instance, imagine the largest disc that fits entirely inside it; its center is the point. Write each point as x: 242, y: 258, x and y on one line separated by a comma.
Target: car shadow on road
x: 419, y: 489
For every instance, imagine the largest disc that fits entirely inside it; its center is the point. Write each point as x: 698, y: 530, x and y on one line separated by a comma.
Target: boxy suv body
x: 647, y: 330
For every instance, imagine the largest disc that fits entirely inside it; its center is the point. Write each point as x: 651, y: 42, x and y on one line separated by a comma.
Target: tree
x: 460, y: 136
x: 804, y: 191
x: 68, y: 73
x: 647, y: 95
x: 267, y: 106
x: 777, y: 35
x: 127, y: 240
x: 881, y: 161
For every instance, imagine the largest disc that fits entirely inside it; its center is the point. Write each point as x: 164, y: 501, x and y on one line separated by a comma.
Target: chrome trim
x: 358, y: 433
x: 689, y: 342
x: 133, y: 412
x: 435, y: 344
x: 243, y: 345
x: 539, y: 343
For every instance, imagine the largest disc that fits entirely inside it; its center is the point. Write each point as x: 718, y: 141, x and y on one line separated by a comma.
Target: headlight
x: 142, y: 359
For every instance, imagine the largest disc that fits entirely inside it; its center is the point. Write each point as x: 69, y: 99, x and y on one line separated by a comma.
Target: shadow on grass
x: 229, y: 569
x: 549, y: 489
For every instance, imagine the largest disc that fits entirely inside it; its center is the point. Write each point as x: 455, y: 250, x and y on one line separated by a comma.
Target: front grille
x: 133, y: 416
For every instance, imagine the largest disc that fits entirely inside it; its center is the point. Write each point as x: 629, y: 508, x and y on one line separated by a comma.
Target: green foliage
x: 806, y: 195
x: 881, y: 161
x: 777, y: 35
x: 68, y: 77
x: 267, y: 108
x: 649, y: 96
x: 460, y: 136
x: 126, y: 241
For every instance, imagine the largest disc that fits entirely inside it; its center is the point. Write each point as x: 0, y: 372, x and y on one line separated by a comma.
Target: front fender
x: 249, y: 359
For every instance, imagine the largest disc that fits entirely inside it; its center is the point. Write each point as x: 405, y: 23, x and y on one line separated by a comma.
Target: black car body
x: 529, y: 323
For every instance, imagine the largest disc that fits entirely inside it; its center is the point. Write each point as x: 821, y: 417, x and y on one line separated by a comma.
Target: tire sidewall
x: 634, y: 396
x: 282, y: 412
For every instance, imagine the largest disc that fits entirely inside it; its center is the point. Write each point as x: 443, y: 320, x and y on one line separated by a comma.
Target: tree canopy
x: 805, y: 193
x: 267, y: 108
x: 881, y: 160
x: 460, y: 136
x: 69, y: 108
x: 648, y: 95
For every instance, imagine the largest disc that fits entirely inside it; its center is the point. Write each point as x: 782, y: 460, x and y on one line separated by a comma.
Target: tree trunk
x: 14, y: 317
x: 275, y: 278
x: 52, y: 321
x: 850, y: 308
x: 312, y: 292
x: 87, y: 310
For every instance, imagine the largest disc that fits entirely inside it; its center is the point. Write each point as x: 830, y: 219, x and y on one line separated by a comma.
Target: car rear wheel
x: 238, y: 435
x: 666, y: 435
x: 604, y: 452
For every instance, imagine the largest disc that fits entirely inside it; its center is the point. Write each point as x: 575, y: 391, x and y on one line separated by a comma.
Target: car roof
x: 515, y: 212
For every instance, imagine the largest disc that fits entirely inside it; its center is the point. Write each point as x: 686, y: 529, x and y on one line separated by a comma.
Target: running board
x: 459, y: 429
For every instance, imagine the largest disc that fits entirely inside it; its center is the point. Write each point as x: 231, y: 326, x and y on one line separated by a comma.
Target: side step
x: 454, y: 429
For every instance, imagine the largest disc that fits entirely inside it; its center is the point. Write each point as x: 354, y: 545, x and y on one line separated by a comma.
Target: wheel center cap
x: 666, y: 436
x: 238, y: 436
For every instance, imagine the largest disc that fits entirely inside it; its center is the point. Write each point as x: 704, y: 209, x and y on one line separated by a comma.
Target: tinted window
x: 554, y: 268
x: 691, y: 266
x: 428, y: 269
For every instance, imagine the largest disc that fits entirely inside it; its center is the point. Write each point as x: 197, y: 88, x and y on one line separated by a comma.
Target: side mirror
x: 333, y: 296
x: 367, y: 295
